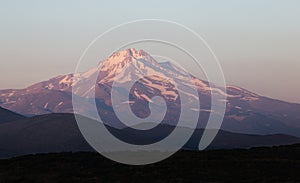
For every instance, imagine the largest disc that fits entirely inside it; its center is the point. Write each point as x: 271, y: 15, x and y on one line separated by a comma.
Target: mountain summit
x: 131, y: 52
x: 139, y: 59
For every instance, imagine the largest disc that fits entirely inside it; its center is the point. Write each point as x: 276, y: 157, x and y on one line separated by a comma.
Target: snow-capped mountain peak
x: 140, y: 63
x: 246, y: 111
x: 125, y: 56
x: 131, y: 52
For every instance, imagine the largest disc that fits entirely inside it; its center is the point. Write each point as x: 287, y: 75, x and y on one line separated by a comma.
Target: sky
x: 257, y: 42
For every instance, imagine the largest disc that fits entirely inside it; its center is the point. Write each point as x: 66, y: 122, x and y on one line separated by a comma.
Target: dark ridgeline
x: 276, y: 164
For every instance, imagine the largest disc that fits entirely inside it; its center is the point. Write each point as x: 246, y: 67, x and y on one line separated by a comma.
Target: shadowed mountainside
x: 60, y: 133
x: 7, y: 116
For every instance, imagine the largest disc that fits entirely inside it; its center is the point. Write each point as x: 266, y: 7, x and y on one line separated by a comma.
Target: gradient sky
x: 257, y: 41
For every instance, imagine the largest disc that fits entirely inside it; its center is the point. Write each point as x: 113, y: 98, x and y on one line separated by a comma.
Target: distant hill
x: 7, y: 116
x: 41, y: 134
x: 60, y: 133
x: 274, y: 164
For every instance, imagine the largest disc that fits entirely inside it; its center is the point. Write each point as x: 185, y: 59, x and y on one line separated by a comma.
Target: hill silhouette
x: 273, y: 164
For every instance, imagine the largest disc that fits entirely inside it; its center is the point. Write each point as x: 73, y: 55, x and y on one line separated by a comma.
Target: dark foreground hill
x: 7, y: 116
x: 60, y: 133
x: 276, y: 164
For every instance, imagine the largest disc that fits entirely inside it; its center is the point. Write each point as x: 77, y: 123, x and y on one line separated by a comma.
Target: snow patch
x: 238, y: 107
x: 249, y: 98
x: 10, y: 102
x: 67, y: 80
x: 234, y: 87
x: 50, y: 86
x: 128, y: 102
x: 11, y: 94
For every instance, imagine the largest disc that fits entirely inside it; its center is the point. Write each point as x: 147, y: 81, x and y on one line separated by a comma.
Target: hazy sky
x: 257, y: 41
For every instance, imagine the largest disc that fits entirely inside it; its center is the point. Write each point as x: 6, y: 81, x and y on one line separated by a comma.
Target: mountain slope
x: 7, y: 116
x: 246, y: 111
x: 60, y: 133
x: 40, y: 134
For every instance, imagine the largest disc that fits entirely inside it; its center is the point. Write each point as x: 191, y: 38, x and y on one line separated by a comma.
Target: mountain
x: 7, y: 116
x: 60, y: 133
x: 246, y: 111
